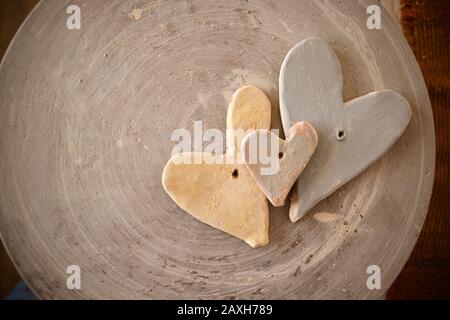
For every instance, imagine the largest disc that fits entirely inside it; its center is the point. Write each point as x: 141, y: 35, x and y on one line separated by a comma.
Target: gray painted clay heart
x: 352, y: 135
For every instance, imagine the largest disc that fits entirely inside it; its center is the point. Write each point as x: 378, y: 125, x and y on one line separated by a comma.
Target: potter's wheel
x: 86, y: 120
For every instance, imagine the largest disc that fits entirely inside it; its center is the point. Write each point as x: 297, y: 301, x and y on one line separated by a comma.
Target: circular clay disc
x: 85, y: 131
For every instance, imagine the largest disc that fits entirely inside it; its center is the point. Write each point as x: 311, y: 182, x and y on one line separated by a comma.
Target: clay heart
x: 286, y: 162
x: 219, y: 191
x: 352, y: 135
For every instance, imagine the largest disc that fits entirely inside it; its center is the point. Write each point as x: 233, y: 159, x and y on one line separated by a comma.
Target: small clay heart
x: 286, y: 162
x: 352, y: 135
x: 219, y: 191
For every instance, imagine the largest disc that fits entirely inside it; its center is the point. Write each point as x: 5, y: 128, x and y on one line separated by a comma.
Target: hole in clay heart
x: 341, y: 135
x: 235, y: 174
x: 281, y: 155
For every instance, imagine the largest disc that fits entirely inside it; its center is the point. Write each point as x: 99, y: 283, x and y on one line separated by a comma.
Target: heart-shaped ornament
x: 352, y: 135
x: 276, y: 171
x: 218, y: 190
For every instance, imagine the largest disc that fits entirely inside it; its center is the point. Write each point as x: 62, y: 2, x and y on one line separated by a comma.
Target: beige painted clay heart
x: 277, y: 176
x: 220, y: 192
